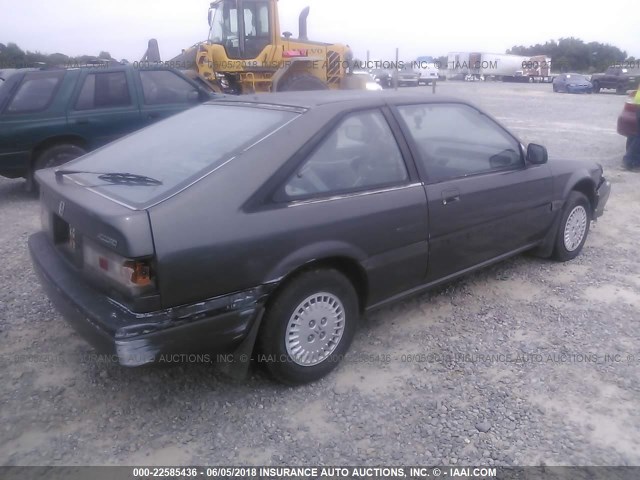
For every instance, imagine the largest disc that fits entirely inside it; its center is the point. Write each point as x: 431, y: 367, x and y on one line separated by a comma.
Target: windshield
x: 174, y: 153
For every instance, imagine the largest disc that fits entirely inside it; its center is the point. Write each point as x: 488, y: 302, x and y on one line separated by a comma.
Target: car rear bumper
x: 602, y: 197
x: 217, y: 325
x: 580, y: 89
x: 628, y: 124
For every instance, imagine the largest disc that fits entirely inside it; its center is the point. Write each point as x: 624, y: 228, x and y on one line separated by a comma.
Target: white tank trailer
x: 496, y: 66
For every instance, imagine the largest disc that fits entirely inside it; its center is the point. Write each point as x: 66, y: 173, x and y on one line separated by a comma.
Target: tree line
x: 12, y: 56
x: 567, y: 54
x: 574, y: 55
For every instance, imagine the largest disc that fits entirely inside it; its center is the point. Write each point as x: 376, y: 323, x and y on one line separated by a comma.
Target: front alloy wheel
x: 309, y: 326
x: 574, y: 227
x: 315, y: 329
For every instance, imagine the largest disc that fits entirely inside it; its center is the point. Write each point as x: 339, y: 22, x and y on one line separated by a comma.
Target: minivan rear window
x: 176, y: 151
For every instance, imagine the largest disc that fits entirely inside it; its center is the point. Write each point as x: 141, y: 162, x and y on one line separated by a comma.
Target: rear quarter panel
x: 208, y: 244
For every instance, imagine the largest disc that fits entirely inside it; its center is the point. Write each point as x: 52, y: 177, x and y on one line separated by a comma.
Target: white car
x: 371, y: 83
x: 428, y: 72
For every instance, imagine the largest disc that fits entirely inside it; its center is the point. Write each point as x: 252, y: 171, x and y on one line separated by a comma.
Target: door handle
x: 82, y: 121
x: 450, y: 196
x: 153, y: 115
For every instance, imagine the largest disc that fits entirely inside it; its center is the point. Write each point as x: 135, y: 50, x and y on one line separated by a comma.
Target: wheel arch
x: 52, y: 142
x: 294, y: 66
x: 581, y: 183
x: 346, y: 263
x: 587, y: 187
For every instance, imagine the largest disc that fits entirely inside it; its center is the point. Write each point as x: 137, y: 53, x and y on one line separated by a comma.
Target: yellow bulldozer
x: 246, y: 53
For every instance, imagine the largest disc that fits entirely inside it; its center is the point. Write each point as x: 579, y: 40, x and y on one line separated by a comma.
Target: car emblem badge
x: 61, y: 209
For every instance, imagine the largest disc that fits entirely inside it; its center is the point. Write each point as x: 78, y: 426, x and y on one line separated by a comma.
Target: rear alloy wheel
x: 308, y: 328
x: 53, y: 157
x: 574, y: 227
x: 302, y: 82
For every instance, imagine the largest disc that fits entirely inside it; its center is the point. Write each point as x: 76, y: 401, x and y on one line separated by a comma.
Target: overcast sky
x: 417, y: 27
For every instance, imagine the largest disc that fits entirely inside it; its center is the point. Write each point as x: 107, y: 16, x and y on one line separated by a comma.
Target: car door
x: 104, y: 106
x: 484, y: 200
x: 165, y: 93
x: 610, y: 79
x: 356, y: 192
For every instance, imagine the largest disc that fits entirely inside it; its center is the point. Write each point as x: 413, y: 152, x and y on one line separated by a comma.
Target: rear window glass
x: 7, y: 87
x: 163, y: 87
x: 104, y: 90
x: 36, y: 92
x: 177, y: 151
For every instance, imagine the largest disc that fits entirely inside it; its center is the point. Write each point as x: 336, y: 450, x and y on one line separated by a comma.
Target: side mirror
x: 537, y: 154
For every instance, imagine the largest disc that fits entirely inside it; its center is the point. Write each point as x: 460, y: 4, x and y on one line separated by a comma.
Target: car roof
x: 347, y: 98
x: 94, y: 68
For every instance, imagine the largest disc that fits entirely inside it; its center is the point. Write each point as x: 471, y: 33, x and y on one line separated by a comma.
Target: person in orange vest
x: 632, y: 158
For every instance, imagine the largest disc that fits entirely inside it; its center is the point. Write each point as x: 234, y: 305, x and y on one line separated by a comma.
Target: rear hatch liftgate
x: 90, y: 231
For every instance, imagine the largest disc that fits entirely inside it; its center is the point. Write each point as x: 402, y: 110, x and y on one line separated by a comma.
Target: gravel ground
x: 528, y: 362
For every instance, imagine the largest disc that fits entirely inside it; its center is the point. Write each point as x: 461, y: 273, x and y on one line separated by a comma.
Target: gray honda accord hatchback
x: 265, y: 226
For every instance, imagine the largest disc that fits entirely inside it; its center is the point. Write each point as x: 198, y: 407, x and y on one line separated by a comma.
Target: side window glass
x: 458, y: 141
x: 104, y: 90
x: 256, y: 28
x: 263, y: 20
x: 360, y: 154
x: 164, y: 87
x: 35, y: 93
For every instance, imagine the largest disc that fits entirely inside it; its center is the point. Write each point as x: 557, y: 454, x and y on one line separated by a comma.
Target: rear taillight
x: 132, y: 277
x: 138, y: 272
x: 631, y: 106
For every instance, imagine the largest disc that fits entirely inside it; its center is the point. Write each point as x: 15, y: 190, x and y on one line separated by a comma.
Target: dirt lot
x: 525, y: 363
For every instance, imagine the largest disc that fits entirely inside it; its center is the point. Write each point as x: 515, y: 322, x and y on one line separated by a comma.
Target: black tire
x: 555, y: 88
x: 53, y: 157
x: 579, y: 203
x: 621, y: 89
x: 629, y: 140
x: 596, y: 87
x: 302, y: 82
x: 273, y: 332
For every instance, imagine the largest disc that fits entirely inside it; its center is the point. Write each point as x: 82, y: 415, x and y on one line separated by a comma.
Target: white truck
x: 496, y: 66
x: 428, y: 68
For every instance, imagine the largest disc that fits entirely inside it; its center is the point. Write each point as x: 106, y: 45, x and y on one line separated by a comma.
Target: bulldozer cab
x: 244, y: 28
x: 245, y: 52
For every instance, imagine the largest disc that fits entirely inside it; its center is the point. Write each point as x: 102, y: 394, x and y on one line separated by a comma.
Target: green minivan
x: 51, y: 116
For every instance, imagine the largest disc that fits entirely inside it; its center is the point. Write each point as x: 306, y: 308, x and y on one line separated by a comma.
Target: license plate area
x: 68, y: 240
